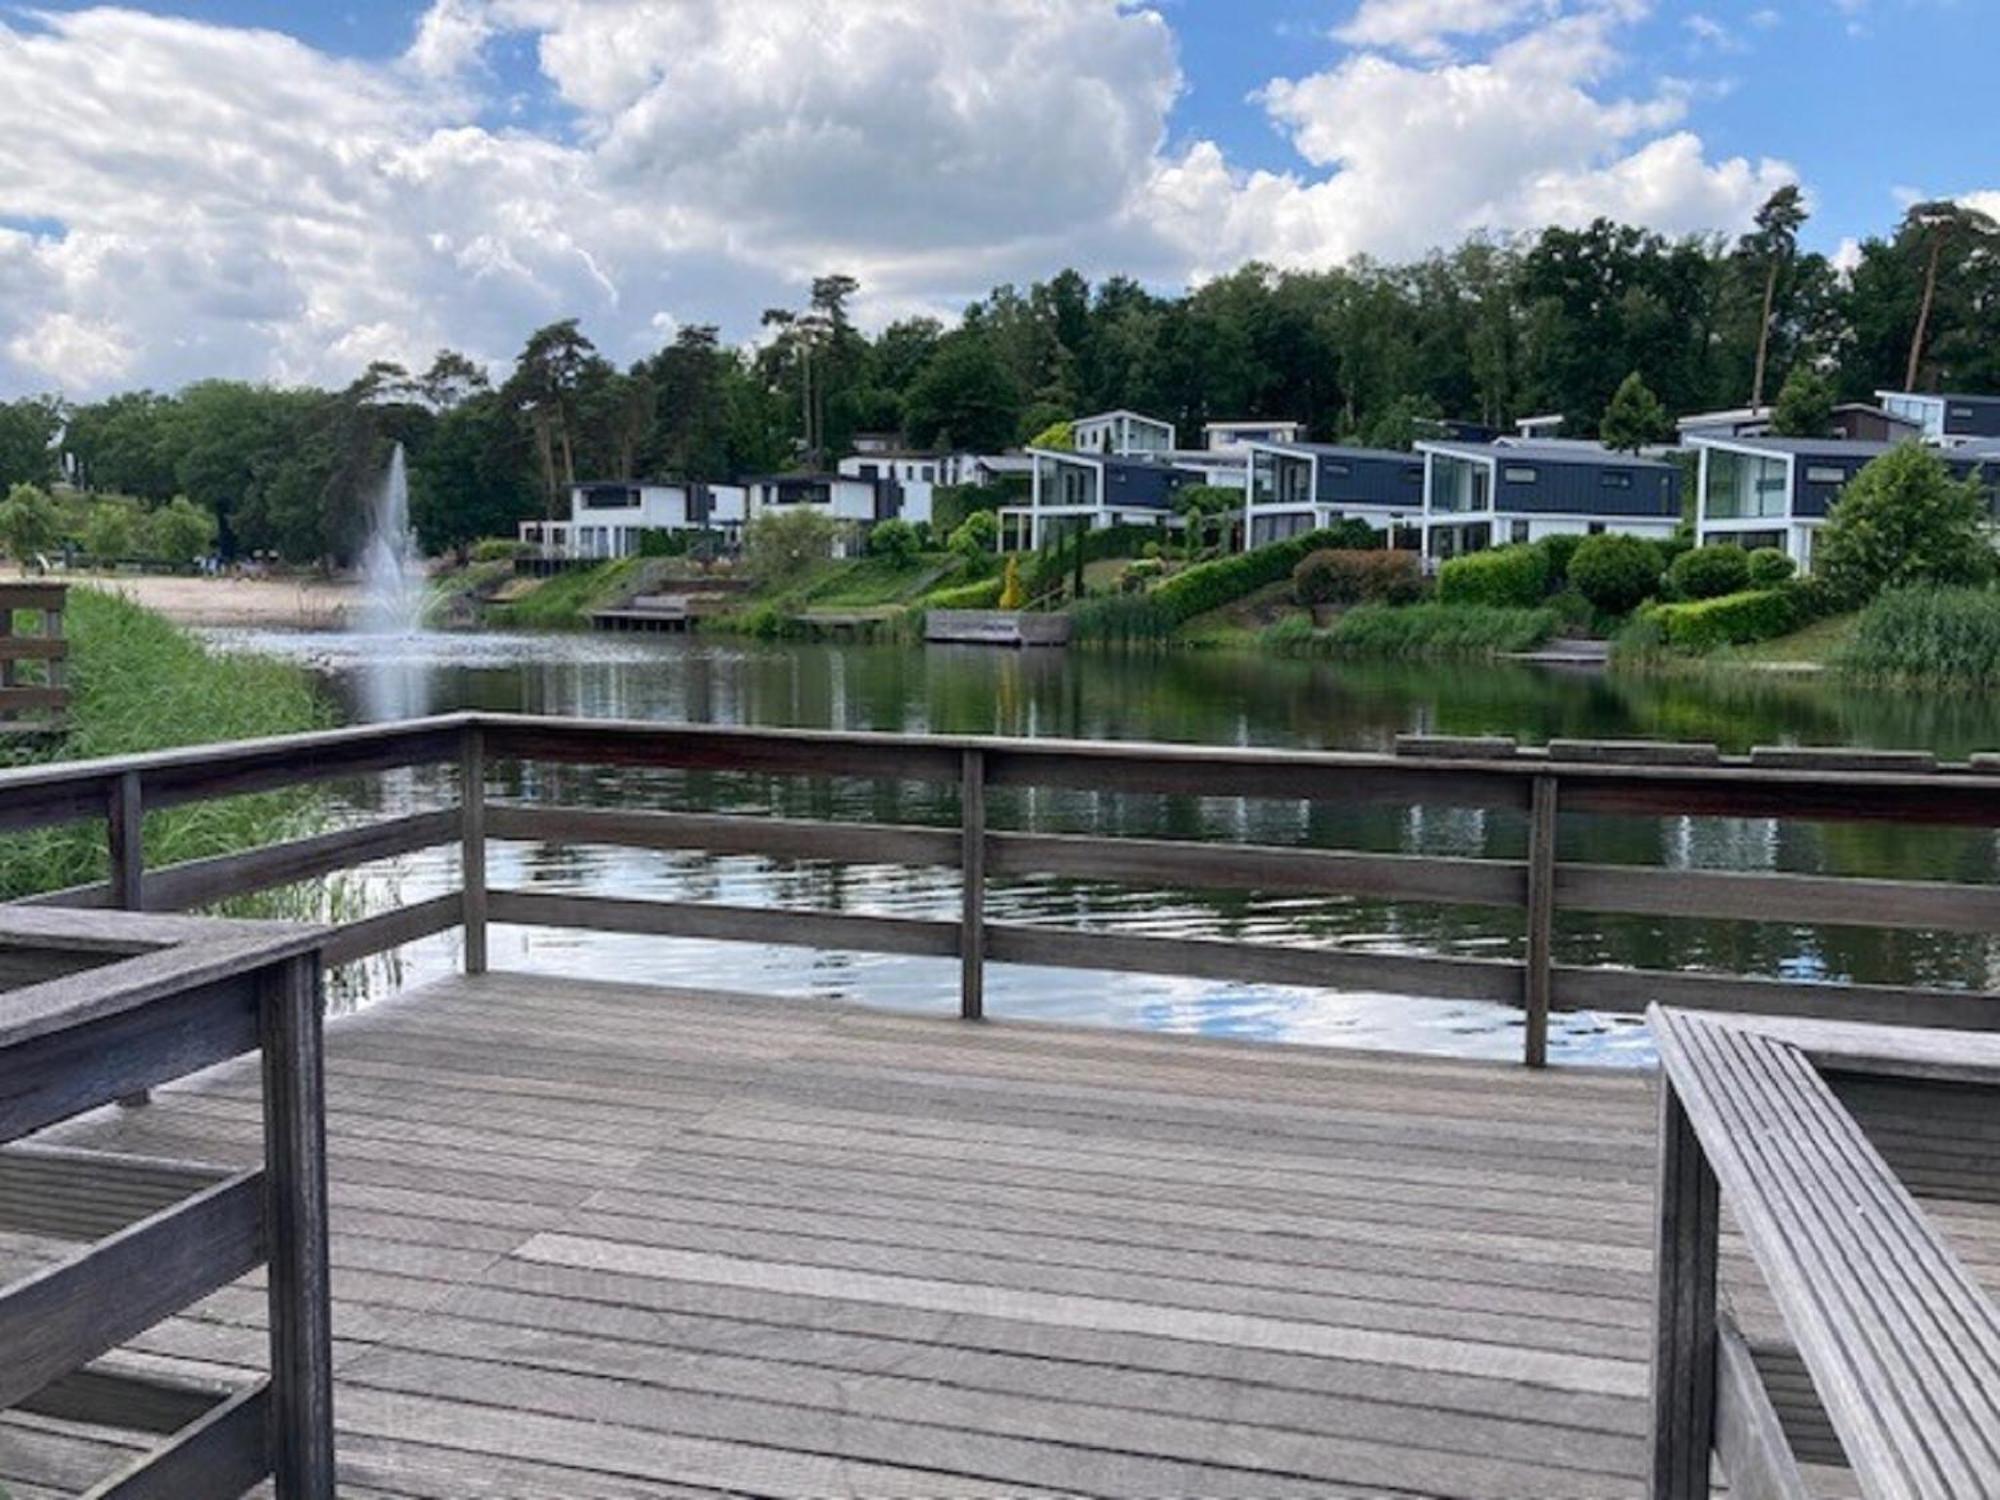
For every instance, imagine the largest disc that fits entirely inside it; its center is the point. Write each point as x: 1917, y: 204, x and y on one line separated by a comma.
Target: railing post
x: 125, y: 826
x: 472, y: 847
x: 1683, y: 1384
x: 295, y: 1230
x: 1539, y: 958
x: 972, y: 875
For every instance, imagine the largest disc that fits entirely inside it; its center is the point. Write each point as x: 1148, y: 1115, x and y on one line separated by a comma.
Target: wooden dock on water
x: 594, y: 1240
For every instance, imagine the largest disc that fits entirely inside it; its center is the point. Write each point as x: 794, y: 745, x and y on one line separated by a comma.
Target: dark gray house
x: 1068, y: 490
x: 1300, y: 487
x: 1778, y: 491
x: 1945, y: 418
x: 1479, y: 495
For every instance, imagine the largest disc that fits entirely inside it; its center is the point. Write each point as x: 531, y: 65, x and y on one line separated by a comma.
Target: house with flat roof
x: 1069, y: 490
x: 1218, y: 437
x: 1479, y: 495
x: 1946, y: 417
x: 1299, y: 487
x: 1778, y: 491
x: 1122, y: 434
x: 849, y: 499
x: 607, y: 517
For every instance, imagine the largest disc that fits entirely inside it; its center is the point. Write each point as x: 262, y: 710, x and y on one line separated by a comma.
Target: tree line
x: 1497, y: 328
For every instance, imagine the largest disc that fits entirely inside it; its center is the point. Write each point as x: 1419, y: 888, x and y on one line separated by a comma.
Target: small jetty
x: 995, y: 627
x: 1585, y: 655
x: 646, y: 612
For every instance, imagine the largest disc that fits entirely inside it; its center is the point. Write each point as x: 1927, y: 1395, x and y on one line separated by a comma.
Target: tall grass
x: 1415, y: 630
x: 140, y: 683
x: 1948, y: 636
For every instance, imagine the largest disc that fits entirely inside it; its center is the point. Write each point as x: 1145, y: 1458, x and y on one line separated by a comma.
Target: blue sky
x: 277, y: 191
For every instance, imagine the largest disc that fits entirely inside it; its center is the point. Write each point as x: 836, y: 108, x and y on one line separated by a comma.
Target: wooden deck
x: 595, y: 1240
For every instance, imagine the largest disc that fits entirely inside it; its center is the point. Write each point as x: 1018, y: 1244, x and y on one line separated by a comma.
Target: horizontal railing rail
x: 155, y: 999
x: 1647, y: 781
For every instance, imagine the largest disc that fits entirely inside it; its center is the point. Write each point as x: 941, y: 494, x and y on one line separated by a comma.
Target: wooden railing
x: 99, y: 1006
x: 40, y: 703
x: 1538, y: 787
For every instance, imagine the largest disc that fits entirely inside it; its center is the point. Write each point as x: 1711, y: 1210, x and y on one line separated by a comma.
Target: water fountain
x: 392, y: 609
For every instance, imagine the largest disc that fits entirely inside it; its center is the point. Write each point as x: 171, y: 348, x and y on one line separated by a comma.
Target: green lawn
x: 1815, y: 646
x: 873, y: 582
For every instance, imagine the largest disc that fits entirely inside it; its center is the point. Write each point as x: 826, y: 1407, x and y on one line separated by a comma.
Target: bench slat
x: 1902, y: 1344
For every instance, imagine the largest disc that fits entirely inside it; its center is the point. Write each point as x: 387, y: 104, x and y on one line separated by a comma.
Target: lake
x: 1214, y: 698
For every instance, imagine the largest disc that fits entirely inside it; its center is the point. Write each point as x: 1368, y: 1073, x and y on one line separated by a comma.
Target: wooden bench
x: 1901, y: 1345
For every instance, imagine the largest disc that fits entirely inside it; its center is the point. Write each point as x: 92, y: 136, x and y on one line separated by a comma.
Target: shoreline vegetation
x: 140, y: 682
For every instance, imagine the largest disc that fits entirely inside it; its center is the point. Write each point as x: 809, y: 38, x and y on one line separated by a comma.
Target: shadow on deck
x: 594, y: 1240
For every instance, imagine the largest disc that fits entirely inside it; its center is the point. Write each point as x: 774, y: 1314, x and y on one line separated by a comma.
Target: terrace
x: 605, y: 1240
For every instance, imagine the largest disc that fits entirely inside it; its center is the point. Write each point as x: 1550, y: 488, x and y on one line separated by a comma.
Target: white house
x: 1091, y: 491
x: 1122, y: 434
x: 608, y: 517
x: 1479, y: 495
x: 855, y: 502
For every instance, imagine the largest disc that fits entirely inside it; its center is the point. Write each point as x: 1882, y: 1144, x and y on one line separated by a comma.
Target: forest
x: 1487, y: 332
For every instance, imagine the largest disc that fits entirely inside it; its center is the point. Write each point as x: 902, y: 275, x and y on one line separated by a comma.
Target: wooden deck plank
x: 609, y: 1241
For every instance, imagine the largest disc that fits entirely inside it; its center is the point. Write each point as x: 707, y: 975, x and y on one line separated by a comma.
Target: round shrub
x: 1709, y: 572
x: 1343, y: 576
x: 897, y: 540
x: 1505, y: 578
x: 1559, y: 547
x: 977, y: 535
x: 1770, y: 566
x: 1615, y: 573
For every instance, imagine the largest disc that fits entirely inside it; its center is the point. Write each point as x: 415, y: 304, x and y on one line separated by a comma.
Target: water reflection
x: 1216, y: 699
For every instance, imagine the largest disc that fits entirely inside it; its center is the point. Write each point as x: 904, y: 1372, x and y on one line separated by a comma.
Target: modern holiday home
x: 1299, y: 487
x: 1122, y: 434
x: 1479, y: 495
x: 607, y: 518
x: 1069, y: 490
x: 1778, y: 491
x: 854, y: 502
x: 1949, y: 417
x: 1219, y: 437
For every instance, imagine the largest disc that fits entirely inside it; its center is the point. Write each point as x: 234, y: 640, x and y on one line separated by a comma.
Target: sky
x: 285, y: 192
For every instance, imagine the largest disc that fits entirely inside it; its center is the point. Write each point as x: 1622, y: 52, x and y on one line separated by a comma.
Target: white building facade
x: 607, y: 518
x: 1480, y: 495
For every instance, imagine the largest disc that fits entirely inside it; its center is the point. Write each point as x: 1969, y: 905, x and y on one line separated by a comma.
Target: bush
x: 1505, y: 578
x: 1770, y: 566
x: 1928, y: 635
x: 498, y: 549
x: 781, y: 546
x: 1559, y: 548
x: 1417, y: 630
x: 896, y: 540
x: 976, y: 536
x: 660, y: 541
x: 111, y: 530
x: 1140, y: 573
x: 1615, y: 573
x: 1012, y: 595
x: 1338, y: 576
x: 985, y: 594
x: 180, y: 532
x: 1728, y: 620
x: 30, y: 523
x: 1904, y: 521
x: 1710, y: 572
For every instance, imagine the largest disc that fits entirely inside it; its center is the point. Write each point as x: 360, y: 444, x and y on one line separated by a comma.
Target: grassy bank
x: 140, y: 683
x: 565, y: 601
x: 1433, y: 630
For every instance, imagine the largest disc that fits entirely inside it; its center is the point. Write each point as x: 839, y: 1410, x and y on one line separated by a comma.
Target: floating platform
x: 995, y: 627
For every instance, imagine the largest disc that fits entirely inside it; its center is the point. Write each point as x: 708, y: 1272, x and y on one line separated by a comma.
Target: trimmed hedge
x: 1771, y: 566
x: 1710, y: 572
x: 1194, y: 591
x: 985, y: 594
x: 1730, y: 620
x: 1615, y: 572
x: 1504, y: 578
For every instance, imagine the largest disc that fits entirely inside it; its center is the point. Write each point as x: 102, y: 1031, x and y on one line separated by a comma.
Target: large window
x: 1744, y: 485
x: 1460, y: 484
x: 1265, y: 530
x: 1280, y: 479
x: 1068, y: 483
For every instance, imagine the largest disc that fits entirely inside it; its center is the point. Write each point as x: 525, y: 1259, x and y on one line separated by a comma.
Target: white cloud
x: 235, y: 202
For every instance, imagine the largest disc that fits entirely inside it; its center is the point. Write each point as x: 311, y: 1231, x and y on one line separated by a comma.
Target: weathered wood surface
x: 1900, y: 1340
x: 607, y: 1241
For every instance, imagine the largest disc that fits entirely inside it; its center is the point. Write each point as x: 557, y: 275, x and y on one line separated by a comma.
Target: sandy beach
x: 288, y: 603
